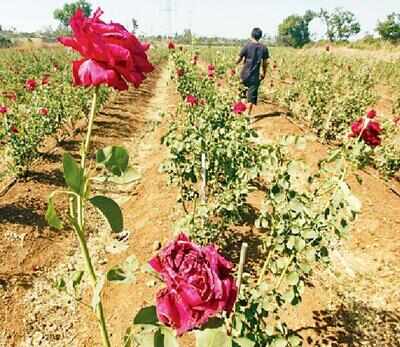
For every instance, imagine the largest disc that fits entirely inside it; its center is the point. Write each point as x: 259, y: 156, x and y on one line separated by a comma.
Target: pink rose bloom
x: 30, y: 85
x: 3, y: 109
x: 239, y: 107
x: 111, y: 54
x: 369, y: 133
x: 43, y: 111
x: 211, y: 70
x: 199, y: 284
x: 192, y: 100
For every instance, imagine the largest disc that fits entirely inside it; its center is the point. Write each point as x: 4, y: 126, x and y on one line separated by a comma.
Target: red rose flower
x: 111, y: 54
x: 371, y: 114
x: 180, y: 72
x: 368, y: 130
x: 239, y: 107
x: 3, y: 109
x: 171, y: 45
x: 199, y: 284
x: 211, y: 70
x: 192, y: 100
x: 14, y: 130
x: 30, y: 85
x: 43, y: 111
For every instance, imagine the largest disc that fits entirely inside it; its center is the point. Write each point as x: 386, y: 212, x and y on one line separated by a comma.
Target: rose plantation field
x: 146, y: 209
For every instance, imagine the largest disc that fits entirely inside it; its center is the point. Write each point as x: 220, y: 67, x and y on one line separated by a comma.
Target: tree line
x: 340, y: 25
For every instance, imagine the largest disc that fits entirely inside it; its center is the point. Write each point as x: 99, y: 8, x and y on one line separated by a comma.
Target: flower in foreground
x: 239, y: 107
x: 199, y: 284
x: 3, y: 109
x: 30, y: 85
x: 192, y: 100
x: 368, y: 130
x: 111, y: 54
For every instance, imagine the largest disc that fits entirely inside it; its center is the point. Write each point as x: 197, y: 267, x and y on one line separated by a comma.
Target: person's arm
x: 242, y: 55
x: 264, y: 68
x: 264, y: 63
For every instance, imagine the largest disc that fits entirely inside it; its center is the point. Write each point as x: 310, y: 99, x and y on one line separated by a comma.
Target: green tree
x: 293, y: 31
x: 340, y: 24
x: 389, y: 29
x: 64, y: 14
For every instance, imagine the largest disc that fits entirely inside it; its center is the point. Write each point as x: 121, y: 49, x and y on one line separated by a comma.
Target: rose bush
x: 111, y: 54
x: 199, y: 284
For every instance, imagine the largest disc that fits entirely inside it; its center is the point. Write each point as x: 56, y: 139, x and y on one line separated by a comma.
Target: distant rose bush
x: 199, y: 284
x: 111, y: 54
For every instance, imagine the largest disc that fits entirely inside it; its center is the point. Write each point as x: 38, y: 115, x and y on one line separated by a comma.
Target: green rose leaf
x: 73, y: 174
x: 213, y: 338
x: 124, y: 273
x: 51, y: 216
x: 114, y: 158
x: 243, y: 342
x: 147, y: 315
x: 110, y: 209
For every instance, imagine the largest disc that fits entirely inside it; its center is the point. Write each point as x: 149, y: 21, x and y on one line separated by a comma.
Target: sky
x: 228, y: 18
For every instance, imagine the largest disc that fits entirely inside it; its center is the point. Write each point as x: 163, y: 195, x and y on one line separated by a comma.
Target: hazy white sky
x: 229, y: 18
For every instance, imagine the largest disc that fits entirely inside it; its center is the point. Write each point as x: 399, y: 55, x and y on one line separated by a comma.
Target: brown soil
x: 355, y: 303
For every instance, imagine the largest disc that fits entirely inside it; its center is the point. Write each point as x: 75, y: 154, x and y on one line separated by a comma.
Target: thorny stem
x: 80, y: 227
x: 264, y: 268
x: 284, y: 272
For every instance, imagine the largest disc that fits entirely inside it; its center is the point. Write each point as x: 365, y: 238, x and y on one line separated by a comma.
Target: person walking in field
x: 255, y: 56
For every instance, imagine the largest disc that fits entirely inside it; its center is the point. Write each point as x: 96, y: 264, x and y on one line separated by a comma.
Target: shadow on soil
x: 355, y: 325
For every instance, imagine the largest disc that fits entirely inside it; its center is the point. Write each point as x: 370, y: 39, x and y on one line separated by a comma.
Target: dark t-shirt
x: 253, y: 53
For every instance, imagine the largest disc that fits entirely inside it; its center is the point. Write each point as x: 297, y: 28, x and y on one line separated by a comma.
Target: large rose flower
x: 369, y: 131
x: 111, y: 54
x: 199, y: 284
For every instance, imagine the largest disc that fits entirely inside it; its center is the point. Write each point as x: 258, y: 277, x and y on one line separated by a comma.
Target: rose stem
x: 243, y: 253
x: 81, y: 224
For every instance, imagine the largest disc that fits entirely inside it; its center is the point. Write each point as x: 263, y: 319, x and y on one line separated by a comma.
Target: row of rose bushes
x: 331, y: 93
x: 37, y: 98
x: 216, y: 161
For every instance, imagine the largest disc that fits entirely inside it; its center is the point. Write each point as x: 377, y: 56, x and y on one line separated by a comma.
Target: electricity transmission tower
x: 169, y: 12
